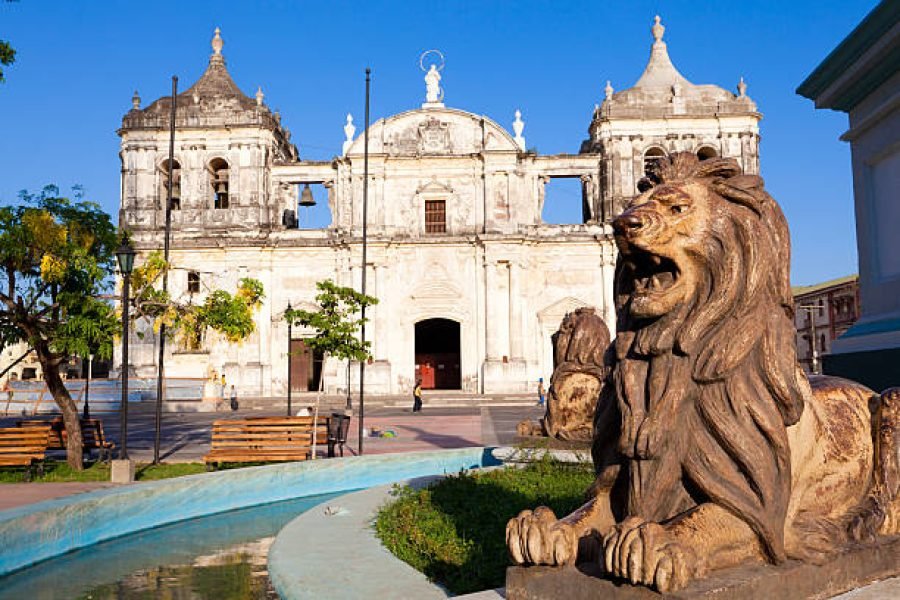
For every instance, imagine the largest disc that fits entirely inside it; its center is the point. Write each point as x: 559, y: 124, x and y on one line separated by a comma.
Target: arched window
x: 707, y: 152
x: 164, y: 184
x: 218, y: 180
x: 651, y: 157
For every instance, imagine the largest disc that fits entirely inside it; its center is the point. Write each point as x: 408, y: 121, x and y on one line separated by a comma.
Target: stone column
x: 515, y: 312
x: 608, y: 269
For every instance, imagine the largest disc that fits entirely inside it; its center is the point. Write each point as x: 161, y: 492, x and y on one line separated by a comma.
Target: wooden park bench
x: 24, y: 447
x: 92, y: 435
x: 264, y: 439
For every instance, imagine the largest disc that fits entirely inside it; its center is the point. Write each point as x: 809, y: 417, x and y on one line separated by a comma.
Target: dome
x: 662, y: 89
x: 214, y: 100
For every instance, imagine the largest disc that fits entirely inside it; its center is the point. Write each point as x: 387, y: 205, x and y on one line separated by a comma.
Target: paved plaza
x: 186, y: 438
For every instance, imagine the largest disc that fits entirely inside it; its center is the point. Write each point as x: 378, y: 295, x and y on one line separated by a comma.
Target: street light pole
x: 349, y: 402
x: 365, y: 208
x: 87, y: 388
x: 813, y: 346
x: 290, y: 337
x: 125, y: 256
x: 161, y: 369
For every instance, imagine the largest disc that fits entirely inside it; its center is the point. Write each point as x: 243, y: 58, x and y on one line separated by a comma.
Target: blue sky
x: 78, y: 64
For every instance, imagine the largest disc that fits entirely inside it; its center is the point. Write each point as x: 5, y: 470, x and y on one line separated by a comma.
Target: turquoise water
x: 219, y: 557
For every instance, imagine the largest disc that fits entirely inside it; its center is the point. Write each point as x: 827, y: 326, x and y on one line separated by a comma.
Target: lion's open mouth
x: 652, y: 273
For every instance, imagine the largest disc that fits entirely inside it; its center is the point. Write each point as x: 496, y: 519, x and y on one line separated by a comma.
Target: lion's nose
x: 627, y: 223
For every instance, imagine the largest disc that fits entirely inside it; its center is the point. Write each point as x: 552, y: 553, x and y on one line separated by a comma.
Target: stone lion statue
x: 711, y: 447
x: 578, y: 374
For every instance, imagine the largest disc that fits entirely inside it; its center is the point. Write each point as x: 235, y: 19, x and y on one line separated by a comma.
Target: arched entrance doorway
x: 437, y: 354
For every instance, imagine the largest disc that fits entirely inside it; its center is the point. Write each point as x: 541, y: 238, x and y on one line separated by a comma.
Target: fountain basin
x: 36, y: 532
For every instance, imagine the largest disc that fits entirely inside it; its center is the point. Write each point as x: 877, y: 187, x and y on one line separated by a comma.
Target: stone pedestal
x: 853, y: 568
x: 505, y: 377
x: 122, y: 471
x: 212, y: 396
x: 378, y: 378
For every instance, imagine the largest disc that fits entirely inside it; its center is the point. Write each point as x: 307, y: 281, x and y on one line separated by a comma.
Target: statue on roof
x: 433, y: 93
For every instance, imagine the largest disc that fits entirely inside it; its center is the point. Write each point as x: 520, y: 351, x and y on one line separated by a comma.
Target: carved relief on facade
x: 434, y: 137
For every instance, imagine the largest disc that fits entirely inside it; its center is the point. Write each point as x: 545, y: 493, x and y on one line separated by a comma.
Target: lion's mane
x: 700, y: 399
x: 580, y: 343
x: 579, y: 348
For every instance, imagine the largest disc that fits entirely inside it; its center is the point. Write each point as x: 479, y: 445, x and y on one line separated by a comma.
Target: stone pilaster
x: 492, y: 312
x: 515, y: 312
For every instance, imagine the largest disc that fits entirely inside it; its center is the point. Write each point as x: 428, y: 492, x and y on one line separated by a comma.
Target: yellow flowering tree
x: 56, y: 256
x: 231, y: 315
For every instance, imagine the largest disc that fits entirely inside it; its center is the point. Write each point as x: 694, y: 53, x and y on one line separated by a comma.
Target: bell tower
x: 225, y: 146
x: 664, y: 112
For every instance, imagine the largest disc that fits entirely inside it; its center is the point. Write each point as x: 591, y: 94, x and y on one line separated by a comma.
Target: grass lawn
x: 55, y: 471
x: 454, y: 530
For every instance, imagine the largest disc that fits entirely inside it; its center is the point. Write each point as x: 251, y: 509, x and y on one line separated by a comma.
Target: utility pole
x: 365, y: 210
x: 290, y: 337
x: 161, y: 370
x: 810, y: 310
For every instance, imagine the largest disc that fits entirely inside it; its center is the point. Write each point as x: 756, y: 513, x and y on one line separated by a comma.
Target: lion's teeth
x: 665, y: 278
x: 654, y: 282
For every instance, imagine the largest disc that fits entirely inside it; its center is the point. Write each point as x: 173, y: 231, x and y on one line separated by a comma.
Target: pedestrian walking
x: 417, y: 396
x: 541, y: 392
x: 234, y: 400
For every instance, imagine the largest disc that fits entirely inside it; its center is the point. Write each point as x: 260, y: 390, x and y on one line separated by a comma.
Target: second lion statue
x: 711, y: 448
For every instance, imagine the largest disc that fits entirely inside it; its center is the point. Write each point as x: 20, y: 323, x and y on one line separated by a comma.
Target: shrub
x: 454, y: 530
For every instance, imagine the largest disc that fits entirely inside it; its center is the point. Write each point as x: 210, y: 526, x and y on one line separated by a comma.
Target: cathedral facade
x: 471, y: 283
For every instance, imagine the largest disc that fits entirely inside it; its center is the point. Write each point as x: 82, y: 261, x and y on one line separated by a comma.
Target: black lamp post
x: 125, y: 256
x: 349, y: 402
x: 290, y: 328
x: 87, y: 388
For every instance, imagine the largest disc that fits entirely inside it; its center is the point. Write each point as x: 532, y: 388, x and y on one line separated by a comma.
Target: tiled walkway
x: 17, y: 494
x: 186, y: 439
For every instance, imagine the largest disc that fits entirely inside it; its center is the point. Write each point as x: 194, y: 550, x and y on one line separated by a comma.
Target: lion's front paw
x: 538, y: 538
x: 646, y: 553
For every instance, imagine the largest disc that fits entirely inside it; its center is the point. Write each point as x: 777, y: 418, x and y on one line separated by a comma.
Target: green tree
x: 56, y: 255
x: 7, y: 57
x: 337, y: 324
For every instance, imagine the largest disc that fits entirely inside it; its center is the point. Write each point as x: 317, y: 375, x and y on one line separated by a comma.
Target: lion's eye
x: 677, y: 209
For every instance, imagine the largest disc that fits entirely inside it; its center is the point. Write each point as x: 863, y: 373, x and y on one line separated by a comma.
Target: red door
x: 425, y: 372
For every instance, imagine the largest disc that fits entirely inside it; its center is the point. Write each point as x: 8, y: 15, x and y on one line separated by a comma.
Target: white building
x: 471, y: 283
x: 860, y: 77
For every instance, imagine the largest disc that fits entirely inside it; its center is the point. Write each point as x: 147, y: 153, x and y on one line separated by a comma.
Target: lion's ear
x: 746, y: 190
x: 718, y: 167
